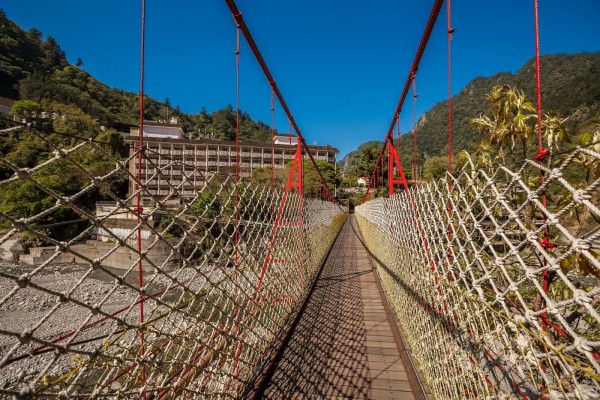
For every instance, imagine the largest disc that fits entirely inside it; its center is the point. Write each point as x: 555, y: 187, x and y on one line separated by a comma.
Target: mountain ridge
x: 570, y: 86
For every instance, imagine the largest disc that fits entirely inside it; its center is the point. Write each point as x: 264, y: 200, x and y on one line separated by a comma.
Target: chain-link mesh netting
x: 493, y: 278
x: 161, y: 292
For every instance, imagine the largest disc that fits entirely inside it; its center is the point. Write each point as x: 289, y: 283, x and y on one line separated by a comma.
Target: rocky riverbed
x: 42, y: 305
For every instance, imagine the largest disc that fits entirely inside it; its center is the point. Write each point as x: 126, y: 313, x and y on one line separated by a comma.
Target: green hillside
x: 571, y: 87
x: 33, y: 68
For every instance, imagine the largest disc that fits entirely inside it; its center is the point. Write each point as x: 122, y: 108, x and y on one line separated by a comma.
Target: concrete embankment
x: 121, y: 257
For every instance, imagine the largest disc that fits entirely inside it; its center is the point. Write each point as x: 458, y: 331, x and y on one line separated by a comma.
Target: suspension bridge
x: 479, y: 285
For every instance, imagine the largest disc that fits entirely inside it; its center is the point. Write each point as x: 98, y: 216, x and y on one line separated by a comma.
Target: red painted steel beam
x: 433, y: 15
x: 237, y: 16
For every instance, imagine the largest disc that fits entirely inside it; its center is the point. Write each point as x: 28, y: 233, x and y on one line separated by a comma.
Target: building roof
x: 286, y: 140
x: 159, y: 129
x: 163, y: 131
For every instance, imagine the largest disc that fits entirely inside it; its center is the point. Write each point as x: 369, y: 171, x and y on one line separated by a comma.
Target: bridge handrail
x: 487, y: 313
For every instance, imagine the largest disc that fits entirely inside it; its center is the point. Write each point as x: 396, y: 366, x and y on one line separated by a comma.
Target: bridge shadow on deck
x: 343, y: 345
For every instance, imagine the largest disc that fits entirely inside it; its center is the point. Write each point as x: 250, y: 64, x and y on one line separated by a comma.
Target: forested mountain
x: 33, y: 68
x: 359, y: 162
x: 570, y: 86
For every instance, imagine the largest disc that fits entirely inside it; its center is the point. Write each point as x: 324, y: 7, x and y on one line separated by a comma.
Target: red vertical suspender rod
x: 138, y: 198
x: 236, y: 237
x: 538, y: 85
x: 415, y: 95
x: 433, y: 15
x: 273, y: 139
x: 450, y: 32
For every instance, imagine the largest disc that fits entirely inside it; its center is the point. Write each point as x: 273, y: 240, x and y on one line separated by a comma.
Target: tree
x: 266, y: 176
x: 54, y: 57
x: 34, y: 86
x: 79, y: 62
x: 114, y: 143
x: 363, y: 161
x: 167, y: 106
x: 28, y: 151
x: 27, y: 109
x: 224, y: 123
x: 73, y: 121
x: 312, y: 182
x: 511, y: 121
x: 435, y: 168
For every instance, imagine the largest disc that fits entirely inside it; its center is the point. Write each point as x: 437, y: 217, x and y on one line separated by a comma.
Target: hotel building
x: 177, y: 157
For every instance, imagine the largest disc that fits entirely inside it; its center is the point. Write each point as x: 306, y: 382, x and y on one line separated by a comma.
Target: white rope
x: 72, y: 329
x: 463, y: 263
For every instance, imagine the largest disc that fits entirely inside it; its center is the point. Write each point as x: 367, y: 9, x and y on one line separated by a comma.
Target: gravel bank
x: 29, y: 314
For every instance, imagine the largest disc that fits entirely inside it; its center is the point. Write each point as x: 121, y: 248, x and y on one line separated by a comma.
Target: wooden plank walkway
x: 344, y: 345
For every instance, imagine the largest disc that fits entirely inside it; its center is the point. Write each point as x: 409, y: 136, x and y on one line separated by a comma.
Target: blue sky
x: 340, y: 64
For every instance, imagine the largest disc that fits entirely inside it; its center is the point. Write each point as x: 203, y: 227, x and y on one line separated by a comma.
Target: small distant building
x: 363, y: 181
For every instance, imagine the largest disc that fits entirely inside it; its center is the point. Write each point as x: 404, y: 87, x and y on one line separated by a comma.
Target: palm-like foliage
x: 511, y: 119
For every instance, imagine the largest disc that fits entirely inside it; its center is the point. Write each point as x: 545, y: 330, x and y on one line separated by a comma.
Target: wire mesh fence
x: 168, y: 287
x: 493, y: 278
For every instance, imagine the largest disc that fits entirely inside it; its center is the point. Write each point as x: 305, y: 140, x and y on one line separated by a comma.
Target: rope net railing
x: 224, y: 266
x: 496, y: 290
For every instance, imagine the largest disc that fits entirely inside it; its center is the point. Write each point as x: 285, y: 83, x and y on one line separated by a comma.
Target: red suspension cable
x: 538, y: 85
x: 237, y: 15
x: 450, y: 32
x: 415, y: 95
x: 435, y: 11
x: 433, y: 15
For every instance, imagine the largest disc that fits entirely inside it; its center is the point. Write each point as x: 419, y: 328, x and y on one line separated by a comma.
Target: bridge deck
x: 344, y: 344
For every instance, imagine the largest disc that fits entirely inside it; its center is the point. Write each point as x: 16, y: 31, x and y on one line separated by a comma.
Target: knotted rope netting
x: 224, y: 265
x: 496, y: 292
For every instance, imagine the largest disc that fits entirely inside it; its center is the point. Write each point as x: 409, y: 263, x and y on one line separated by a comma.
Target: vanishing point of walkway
x: 344, y: 345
